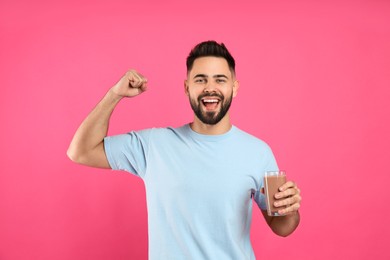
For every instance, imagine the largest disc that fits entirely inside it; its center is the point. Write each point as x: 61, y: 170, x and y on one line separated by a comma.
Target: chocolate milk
x: 272, y: 184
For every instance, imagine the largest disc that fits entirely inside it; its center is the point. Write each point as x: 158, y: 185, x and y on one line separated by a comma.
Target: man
x: 200, y: 178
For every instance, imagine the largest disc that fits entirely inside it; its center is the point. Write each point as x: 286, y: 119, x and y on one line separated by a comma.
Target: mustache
x: 210, y: 95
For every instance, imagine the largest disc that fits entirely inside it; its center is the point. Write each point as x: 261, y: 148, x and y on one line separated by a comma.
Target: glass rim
x: 280, y: 172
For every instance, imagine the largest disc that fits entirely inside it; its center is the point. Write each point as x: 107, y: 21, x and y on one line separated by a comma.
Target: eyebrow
x: 215, y: 76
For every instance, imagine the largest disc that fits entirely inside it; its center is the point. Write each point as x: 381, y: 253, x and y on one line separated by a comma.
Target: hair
x: 210, y: 48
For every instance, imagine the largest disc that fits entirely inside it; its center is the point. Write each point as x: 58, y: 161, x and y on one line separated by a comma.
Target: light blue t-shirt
x: 199, y: 188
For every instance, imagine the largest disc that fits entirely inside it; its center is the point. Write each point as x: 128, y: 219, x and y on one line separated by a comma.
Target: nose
x: 210, y: 87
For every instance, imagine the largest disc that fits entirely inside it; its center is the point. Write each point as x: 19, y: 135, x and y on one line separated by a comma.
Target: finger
x: 131, y: 78
x: 287, y: 185
x: 286, y: 202
x: 141, y: 79
x: 287, y: 193
x: 136, y: 80
x: 144, y: 87
x: 287, y: 189
x: 144, y: 83
x: 293, y: 208
x: 140, y: 90
x: 141, y: 83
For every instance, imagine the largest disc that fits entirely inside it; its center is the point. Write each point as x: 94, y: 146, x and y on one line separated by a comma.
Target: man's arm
x: 284, y: 225
x: 87, y: 145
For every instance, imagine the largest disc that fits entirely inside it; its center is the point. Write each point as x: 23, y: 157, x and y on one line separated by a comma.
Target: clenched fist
x: 130, y: 85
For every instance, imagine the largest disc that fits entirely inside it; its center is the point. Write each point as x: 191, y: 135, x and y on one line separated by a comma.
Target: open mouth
x: 210, y: 103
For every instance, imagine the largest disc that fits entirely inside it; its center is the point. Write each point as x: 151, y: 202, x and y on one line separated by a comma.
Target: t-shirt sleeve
x: 128, y: 152
x: 269, y: 165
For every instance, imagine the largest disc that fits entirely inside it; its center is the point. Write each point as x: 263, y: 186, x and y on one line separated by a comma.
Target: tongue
x: 211, y: 105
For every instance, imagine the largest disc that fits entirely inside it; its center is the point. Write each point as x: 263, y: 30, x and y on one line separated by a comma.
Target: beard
x: 211, y: 117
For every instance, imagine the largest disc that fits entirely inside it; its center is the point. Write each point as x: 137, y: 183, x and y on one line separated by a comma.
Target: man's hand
x: 289, y: 201
x: 130, y: 85
x: 288, y: 195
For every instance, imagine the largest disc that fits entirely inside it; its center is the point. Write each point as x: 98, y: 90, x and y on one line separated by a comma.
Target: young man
x: 200, y: 178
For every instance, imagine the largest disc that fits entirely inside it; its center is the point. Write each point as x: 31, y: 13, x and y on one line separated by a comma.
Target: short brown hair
x: 210, y: 48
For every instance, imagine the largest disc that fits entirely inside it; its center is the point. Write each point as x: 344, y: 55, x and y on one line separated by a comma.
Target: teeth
x: 210, y: 100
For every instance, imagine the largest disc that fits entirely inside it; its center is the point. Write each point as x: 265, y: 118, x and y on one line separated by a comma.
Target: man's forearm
x: 94, y: 128
x: 285, y: 225
x: 87, y: 146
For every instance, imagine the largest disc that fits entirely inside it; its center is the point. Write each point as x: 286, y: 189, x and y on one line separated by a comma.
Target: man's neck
x: 221, y: 127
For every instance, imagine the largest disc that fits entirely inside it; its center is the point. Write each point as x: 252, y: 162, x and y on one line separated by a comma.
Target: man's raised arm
x: 87, y: 145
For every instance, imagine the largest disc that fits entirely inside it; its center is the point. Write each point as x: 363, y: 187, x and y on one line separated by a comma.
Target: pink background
x: 315, y: 78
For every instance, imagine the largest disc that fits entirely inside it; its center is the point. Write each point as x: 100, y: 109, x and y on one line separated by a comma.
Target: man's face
x: 210, y: 86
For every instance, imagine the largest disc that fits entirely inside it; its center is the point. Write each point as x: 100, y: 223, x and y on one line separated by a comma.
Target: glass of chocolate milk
x: 272, y: 182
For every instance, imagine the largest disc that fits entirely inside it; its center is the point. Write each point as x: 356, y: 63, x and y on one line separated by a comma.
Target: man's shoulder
x: 160, y: 132
x: 249, y: 138
x: 166, y: 130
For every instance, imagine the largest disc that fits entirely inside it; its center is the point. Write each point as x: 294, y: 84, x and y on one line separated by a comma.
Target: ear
x: 186, y: 88
x: 236, y: 86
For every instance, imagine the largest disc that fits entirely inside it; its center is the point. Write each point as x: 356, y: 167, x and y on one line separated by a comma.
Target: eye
x: 200, y: 80
x: 220, y: 81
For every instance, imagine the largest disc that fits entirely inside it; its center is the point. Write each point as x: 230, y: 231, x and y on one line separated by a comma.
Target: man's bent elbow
x: 73, y: 155
x: 93, y: 158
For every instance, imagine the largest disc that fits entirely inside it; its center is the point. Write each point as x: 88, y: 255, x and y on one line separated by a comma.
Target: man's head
x: 211, y: 82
